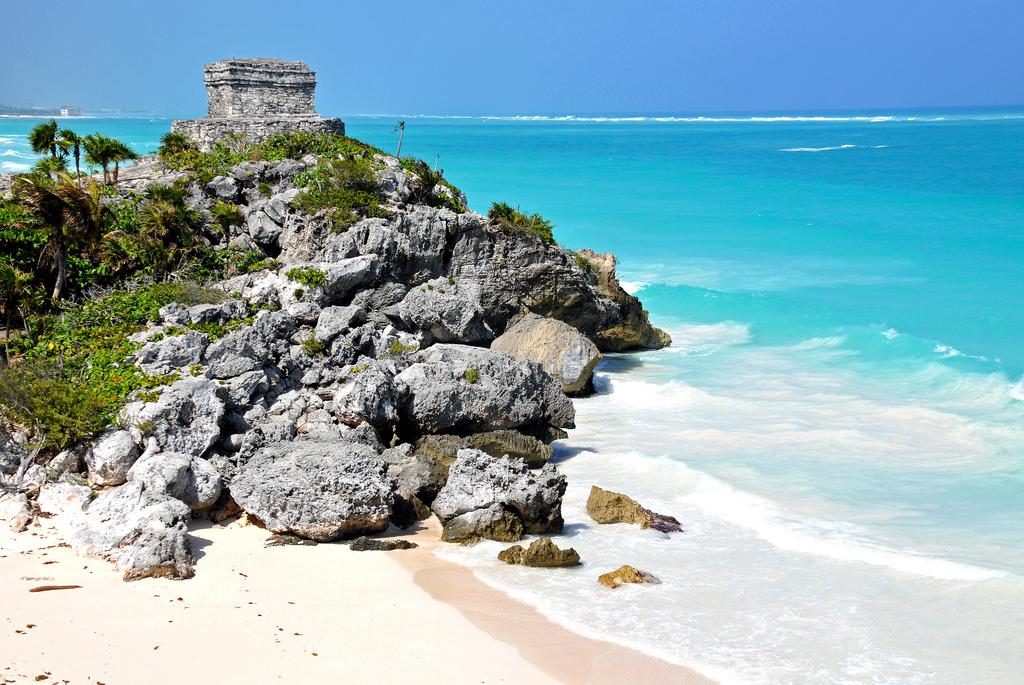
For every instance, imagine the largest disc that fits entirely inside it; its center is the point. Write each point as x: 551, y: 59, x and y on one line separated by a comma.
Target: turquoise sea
x: 839, y: 422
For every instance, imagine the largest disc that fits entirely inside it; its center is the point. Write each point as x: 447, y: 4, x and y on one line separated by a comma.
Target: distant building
x: 256, y: 98
x: 71, y: 111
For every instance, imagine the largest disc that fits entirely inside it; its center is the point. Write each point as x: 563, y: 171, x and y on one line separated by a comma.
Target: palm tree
x: 43, y: 138
x: 74, y: 142
x: 51, y: 166
x: 121, y: 152
x: 68, y: 211
x: 174, y: 143
x: 99, y: 150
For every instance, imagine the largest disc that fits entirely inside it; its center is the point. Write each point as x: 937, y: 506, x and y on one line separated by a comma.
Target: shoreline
x: 253, y: 614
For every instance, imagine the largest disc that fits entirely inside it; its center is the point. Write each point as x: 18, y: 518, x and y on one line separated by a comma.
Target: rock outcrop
x: 563, y: 351
x: 541, y: 552
x: 605, y: 506
x: 323, y: 491
x: 625, y: 574
x: 483, y: 495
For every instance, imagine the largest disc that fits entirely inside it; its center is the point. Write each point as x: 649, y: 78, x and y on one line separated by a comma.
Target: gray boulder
x: 185, y: 418
x: 442, y: 314
x: 371, y: 394
x: 190, y: 479
x: 143, y: 531
x: 223, y: 188
x: 494, y: 523
x: 323, y: 491
x: 250, y: 347
x: 110, y: 459
x: 173, y: 352
x: 174, y: 314
x: 564, y: 352
x: 334, y: 321
x: 477, y: 481
x: 461, y: 389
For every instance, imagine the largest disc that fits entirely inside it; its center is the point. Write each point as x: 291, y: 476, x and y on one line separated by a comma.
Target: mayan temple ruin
x: 257, y: 97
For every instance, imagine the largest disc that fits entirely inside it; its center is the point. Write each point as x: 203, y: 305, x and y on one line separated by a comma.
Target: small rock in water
x: 365, y: 544
x: 282, y: 539
x: 542, y: 552
x: 625, y: 574
x: 605, y: 506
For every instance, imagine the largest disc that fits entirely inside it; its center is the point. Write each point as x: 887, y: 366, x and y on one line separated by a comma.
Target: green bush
x: 226, y: 215
x: 504, y: 215
x: 584, y: 264
x: 473, y: 375
x: 307, y: 275
x: 347, y: 189
x: 313, y: 347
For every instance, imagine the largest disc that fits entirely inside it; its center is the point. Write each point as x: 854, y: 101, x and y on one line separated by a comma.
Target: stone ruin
x: 257, y: 98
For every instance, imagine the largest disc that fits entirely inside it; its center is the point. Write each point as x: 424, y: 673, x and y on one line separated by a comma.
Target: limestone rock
x: 445, y: 448
x: 185, y: 418
x: 494, y: 523
x: 477, y: 481
x: 334, y: 321
x: 563, y: 351
x: 143, y: 532
x: 625, y: 574
x: 541, y: 552
x: 109, y: 460
x: 250, y: 347
x: 462, y: 389
x: 172, y: 352
x: 372, y: 395
x: 287, y: 539
x: 605, y: 506
x: 323, y: 491
x: 443, y: 314
x: 190, y: 479
x: 14, y: 511
x: 365, y: 544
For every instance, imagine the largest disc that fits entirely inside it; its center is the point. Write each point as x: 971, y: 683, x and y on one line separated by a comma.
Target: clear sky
x: 525, y: 57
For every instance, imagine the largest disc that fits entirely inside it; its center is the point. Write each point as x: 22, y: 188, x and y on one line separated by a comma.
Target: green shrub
x: 313, y: 347
x: 307, y: 275
x: 504, y: 215
x: 266, y: 190
x: 41, y: 395
x: 226, y: 214
x: 584, y: 264
x: 473, y: 375
x: 347, y: 189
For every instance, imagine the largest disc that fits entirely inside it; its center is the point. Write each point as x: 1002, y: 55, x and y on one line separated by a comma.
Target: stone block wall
x: 259, y: 88
x: 206, y: 132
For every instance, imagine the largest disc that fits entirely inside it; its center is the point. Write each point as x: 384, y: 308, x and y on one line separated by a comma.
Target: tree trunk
x: 62, y: 266
x: 116, y: 169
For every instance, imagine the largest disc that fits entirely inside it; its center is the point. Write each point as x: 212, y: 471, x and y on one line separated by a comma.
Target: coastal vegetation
x: 512, y: 219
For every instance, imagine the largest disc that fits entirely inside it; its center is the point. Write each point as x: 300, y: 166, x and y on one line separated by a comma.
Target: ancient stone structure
x: 256, y: 98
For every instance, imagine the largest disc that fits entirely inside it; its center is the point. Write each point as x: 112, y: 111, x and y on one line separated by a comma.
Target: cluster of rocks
x: 424, y: 371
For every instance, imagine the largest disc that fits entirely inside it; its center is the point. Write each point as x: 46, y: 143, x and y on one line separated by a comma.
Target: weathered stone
x: 185, y: 418
x: 563, y: 351
x: 365, y: 544
x: 190, y: 479
x: 250, y: 347
x: 625, y: 574
x: 15, y: 512
x: 445, y: 448
x: 334, y: 321
x: 286, y: 539
x: 223, y: 188
x: 321, y: 491
x: 541, y: 552
x: 462, y: 389
x: 144, y: 532
x: 111, y: 458
x: 440, y: 313
x: 605, y: 506
x: 254, y: 98
x: 494, y: 523
x: 174, y: 314
x: 371, y: 395
x: 478, y: 481
x: 173, y: 352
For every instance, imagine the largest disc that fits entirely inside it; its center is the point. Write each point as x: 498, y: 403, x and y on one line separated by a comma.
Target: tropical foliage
x: 508, y: 217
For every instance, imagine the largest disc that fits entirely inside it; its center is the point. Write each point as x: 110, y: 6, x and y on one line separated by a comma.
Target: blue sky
x: 526, y: 57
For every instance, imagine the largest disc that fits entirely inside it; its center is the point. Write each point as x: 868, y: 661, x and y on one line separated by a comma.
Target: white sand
x: 300, y: 615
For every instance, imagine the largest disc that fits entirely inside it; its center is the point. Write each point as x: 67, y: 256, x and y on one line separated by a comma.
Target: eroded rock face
x: 173, y: 352
x: 111, y: 458
x: 625, y: 574
x: 185, y: 418
x: 184, y: 477
x: 323, y: 491
x: 365, y: 544
x: 441, y: 313
x: 144, y: 532
x: 494, y: 523
x: 498, y: 444
x: 478, y: 482
x: 563, y: 351
x: 14, y: 511
x: 605, y: 506
x: 541, y: 552
x: 456, y: 388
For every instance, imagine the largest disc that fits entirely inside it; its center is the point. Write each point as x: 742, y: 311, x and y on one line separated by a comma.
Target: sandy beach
x: 285, y: 615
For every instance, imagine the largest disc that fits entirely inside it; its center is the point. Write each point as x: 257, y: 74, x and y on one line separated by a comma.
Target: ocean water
x: 839, y: 422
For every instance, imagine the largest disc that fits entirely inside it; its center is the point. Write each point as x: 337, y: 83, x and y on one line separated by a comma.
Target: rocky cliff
x: 318, y: 394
